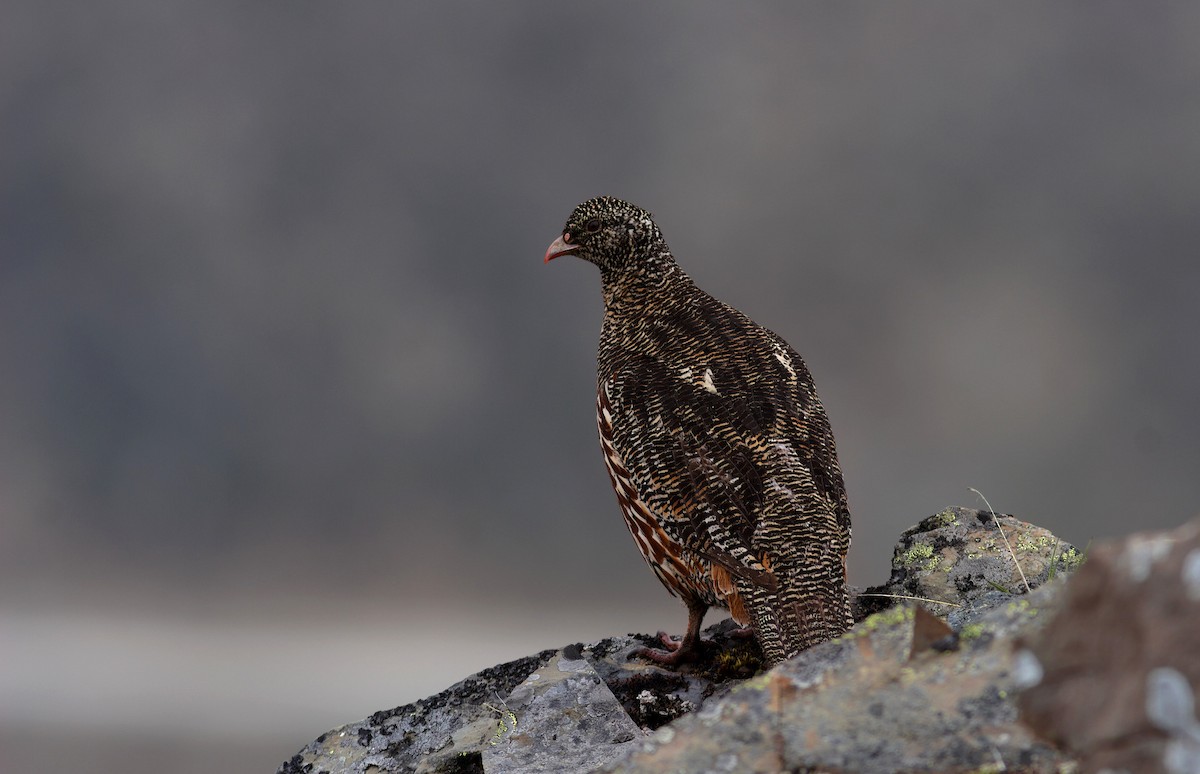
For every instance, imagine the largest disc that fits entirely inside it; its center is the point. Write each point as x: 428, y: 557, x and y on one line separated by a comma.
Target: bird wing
x: 725, y: 441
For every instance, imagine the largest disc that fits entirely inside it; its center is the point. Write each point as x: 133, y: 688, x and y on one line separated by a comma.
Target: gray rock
x: 562, y: 718
x: 866, y: 703
x: 960, y: 556
x: 459, y: 729
x: 1113, y: 678
x: 444, y: 733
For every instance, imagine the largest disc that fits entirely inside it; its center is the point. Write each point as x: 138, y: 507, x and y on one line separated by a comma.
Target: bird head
x: 615, y: 235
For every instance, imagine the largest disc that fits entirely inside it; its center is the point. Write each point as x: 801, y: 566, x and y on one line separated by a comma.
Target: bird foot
x: 670, y: 642
x: 742, y: 633
x: 675, y: 651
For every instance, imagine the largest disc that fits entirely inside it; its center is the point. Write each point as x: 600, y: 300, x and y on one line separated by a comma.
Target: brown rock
x: 1114, y: 676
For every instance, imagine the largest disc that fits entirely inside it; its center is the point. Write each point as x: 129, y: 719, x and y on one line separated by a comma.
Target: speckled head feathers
x: 611, y: 233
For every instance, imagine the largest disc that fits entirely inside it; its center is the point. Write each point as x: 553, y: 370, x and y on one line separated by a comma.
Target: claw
x: 690, y: 648
x: 670, y: 643
x: 675, y: 651
x: 669, y: 657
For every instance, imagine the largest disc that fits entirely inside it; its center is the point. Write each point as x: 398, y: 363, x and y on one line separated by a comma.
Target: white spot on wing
x: 784, y: 358
x: 708, y: 381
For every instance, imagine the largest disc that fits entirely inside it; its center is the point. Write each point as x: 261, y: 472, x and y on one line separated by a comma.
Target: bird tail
x: 809, y: 607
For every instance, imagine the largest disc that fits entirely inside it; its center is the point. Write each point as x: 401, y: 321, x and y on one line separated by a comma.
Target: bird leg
x: 679, y: 651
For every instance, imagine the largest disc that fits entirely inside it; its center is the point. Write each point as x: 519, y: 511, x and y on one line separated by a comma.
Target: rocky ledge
x: 978, y: 609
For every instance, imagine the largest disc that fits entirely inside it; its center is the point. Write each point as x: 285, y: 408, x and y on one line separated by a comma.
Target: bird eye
x: 592, y: 225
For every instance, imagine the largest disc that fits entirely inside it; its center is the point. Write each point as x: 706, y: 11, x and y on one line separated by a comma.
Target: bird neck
x: 638, y: 290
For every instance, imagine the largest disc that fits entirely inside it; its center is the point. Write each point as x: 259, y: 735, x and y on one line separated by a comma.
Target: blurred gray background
x: 296, y: 426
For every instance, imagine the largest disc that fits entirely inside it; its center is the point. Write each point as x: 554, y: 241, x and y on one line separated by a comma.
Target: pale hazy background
x: 296, y: 426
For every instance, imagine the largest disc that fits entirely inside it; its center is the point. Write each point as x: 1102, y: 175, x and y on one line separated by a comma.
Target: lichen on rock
x: 958, y: 557
x: 882, y: 697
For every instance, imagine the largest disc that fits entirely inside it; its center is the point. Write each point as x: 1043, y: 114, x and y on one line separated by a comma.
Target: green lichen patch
x: 1070, y: 559
x: 945, y: 518
x: 921, y: 552
x: 891, y: 617
x: 1028, y: 545
x: 1022, y: 607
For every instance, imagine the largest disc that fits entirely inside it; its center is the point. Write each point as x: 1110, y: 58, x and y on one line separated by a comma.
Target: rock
x: 1114, y: 677
x: 959, y: 556
x: 569, y: 721
x: 443, y: 733
x: 886, y: 696
x: 866, y: 703
x: 498, y: 719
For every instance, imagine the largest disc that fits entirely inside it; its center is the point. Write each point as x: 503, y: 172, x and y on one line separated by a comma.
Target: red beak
x: 559, y: 247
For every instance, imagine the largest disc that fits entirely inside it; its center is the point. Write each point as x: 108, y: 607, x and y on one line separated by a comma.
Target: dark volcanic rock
x: 1114, y: 677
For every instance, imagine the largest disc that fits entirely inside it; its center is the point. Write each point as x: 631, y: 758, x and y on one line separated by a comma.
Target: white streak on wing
x: 785, y: 360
